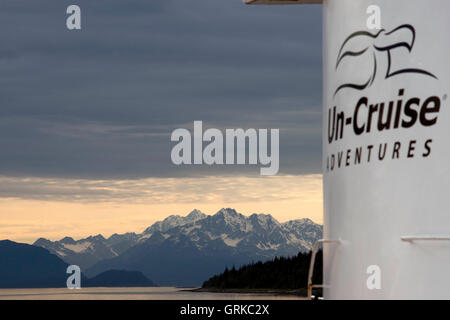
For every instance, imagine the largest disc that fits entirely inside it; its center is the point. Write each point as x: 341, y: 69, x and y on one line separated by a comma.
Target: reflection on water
x: 152, y: 293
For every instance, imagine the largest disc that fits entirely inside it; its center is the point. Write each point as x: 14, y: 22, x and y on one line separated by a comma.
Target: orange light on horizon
x: 87, y: 208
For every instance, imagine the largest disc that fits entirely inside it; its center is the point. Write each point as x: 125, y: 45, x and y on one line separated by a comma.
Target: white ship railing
x: 424, y: 238
x: 312, y: 262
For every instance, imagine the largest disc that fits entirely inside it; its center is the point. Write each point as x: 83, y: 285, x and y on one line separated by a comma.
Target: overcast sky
x: 102, y: 102
x: 86, y: 116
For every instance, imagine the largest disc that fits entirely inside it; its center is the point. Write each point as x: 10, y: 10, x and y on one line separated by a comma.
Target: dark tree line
x: 279, y: 273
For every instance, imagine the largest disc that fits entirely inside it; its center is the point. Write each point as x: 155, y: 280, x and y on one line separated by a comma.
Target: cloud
x: 217, y: 189
x: 59, y: 207
x: 101, y: 103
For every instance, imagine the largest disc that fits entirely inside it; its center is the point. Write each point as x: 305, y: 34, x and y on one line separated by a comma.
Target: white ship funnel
x: 386, y: 149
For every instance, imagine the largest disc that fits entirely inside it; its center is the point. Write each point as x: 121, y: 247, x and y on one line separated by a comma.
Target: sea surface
x: 148, y: 293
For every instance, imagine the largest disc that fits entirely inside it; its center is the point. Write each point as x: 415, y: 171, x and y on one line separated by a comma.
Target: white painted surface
x: 370, y: 206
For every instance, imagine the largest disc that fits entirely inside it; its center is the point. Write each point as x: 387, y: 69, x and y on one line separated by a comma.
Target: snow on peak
x: 302, y: 221
x: 264, y: 220
x: 229, y: 241
x: 172, y: 222
x: 230, y: 215
x: 195, y: 215
x: 79, y: 247
x: 227, y: 211
x: 298, y: 223
x: 267, y: 246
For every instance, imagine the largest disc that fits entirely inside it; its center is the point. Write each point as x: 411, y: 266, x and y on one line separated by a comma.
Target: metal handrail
x: 311, y: 264
x: 424, y: 238
x: 319, y: 242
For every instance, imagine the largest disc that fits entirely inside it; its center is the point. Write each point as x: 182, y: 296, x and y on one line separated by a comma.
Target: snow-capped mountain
x: 172, y: 222
x: 257, y: 233
x: 87, y: 252
x: 190, y: 253
x: 188, y: 250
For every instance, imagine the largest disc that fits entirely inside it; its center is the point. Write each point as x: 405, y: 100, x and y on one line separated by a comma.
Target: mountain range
x: 88, y: 251
x: 184, y: 251
x: 26, y: 266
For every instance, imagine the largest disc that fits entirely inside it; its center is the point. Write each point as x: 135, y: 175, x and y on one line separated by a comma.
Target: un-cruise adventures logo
x: 375, y: 121
x: 381, y: 43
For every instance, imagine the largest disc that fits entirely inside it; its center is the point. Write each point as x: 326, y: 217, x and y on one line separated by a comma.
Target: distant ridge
x: 187, y: 254
x: 26, y: 266
x: 88, y: 251
x: 184, y: 251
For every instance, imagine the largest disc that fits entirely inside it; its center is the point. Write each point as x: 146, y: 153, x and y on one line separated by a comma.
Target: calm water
x: 158, y: 293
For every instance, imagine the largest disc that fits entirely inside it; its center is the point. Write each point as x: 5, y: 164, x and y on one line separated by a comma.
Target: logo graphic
x: 364, y: 43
